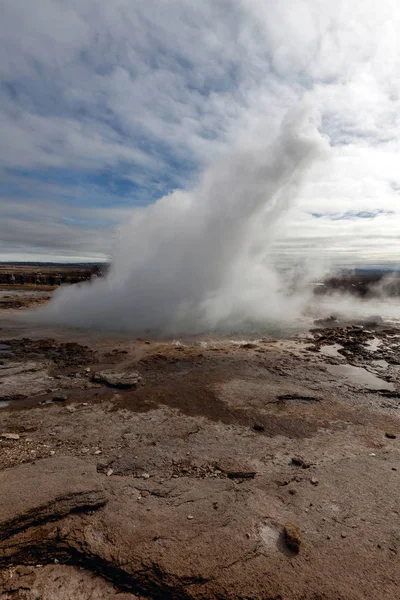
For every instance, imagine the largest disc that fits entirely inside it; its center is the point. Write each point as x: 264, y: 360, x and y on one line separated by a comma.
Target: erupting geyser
x: 196, y: 260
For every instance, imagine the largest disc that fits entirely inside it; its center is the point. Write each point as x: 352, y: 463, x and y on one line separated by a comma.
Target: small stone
x: 87, y: 370
x: 22, y: 571
x: 60, y: 398
x: 145, y: 475
x: 52, y: 452
x: 292, y: 491
x: 258, y: 427
x: 10, y: 436
x: 70, y: 409
x: 343, y: 534
x: 97, y: 451
x: 394, y: 468
x: 235, y: 469
x: 85, y: 404
x: 292, y: 537
x: 109, y: 472
x: 145, y: 493
x: 314, y: 481
x: 300, y: 462
x: 390, y: 436
x: 190, y: 517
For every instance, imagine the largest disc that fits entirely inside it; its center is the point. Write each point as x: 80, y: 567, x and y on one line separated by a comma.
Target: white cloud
x: 147, y: 88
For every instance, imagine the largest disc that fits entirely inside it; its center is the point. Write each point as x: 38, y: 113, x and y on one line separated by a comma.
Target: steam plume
x: 197, y: 260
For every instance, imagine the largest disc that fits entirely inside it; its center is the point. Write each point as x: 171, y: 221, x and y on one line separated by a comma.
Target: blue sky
x: 106, y: 107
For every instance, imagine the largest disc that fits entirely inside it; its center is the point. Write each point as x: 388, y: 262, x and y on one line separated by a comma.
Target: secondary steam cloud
x: 199, y: 260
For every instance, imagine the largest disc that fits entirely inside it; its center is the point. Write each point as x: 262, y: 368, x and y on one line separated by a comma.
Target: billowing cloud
x: 105, y: 106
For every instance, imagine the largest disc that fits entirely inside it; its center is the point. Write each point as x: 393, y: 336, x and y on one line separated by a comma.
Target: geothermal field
x: 202, y: 465
x: 199, y: 300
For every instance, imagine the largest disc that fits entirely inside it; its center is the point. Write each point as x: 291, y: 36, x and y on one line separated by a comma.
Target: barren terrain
x: 263, y: 468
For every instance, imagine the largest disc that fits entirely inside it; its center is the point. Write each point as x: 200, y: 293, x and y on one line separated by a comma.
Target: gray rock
x: 122, y: 380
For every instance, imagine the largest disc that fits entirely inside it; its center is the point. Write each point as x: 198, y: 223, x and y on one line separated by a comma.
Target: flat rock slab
x: 48, y: 490
x: 21, y: 379
x: 121, y: 380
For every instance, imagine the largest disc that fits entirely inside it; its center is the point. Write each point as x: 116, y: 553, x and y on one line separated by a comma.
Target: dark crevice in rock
x: 151, y: 582
x: 75, y: 503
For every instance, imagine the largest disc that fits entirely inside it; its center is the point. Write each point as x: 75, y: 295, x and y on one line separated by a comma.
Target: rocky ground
x: 199, y: 468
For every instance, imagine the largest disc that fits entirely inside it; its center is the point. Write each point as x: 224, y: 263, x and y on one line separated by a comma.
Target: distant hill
x: 53, y: 264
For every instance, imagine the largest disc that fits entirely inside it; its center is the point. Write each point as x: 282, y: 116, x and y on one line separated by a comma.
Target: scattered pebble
x: 110, y: 472
x: 300, y: 462
x: 60, y: 398
x: 258, y: 427
x: 10, y: 436
x: 190, y: 517
x: 390, y: 436
x: 314, y: 481
x: 145, y: 475
x: 98, y: 452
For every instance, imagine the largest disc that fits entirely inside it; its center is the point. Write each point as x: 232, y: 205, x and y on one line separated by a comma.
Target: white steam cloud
x: 199, y: 260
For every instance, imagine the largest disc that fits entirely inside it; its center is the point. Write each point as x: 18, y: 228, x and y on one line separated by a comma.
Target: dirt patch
x: 228, y: 462
x: 69, y: 354
x: 17, y: 302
